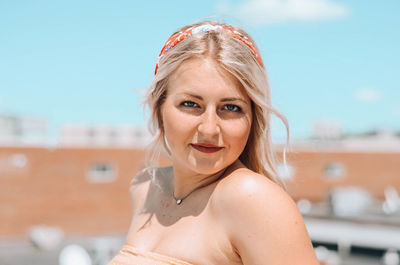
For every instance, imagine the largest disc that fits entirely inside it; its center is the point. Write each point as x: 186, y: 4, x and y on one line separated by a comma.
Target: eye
x: 232, y: 108
x: 189, y: 104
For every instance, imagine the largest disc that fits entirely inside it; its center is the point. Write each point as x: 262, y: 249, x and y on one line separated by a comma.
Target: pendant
x: 179, y: 201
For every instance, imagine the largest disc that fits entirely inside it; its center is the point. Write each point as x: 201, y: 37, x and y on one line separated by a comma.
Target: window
x: 13, y: 163
x: 18, y: 160
x: 102, y: 173
x: 334, y: 171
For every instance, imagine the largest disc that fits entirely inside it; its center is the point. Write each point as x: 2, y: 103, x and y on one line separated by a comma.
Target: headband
x: 181, y: 35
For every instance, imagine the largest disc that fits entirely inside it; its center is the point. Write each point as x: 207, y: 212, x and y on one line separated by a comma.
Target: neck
x: 185, y: 183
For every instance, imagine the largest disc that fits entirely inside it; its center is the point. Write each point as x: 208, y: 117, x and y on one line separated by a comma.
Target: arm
x: 138, y: 189
x: 138, y: 192
x: 263, y: 223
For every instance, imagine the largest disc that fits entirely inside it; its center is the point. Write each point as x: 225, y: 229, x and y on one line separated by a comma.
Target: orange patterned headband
x: 180, y: 36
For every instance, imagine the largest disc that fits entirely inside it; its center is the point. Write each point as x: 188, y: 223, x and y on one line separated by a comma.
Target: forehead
x: 204, y: 76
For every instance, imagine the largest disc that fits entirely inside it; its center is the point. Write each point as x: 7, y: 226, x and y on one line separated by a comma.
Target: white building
x: 16, y: 130
x: 119, y: 136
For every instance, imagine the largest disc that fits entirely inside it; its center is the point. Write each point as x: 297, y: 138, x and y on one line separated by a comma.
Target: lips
x: 206, y: 148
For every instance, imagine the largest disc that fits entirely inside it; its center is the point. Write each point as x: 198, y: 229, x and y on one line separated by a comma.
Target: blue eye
x: 232, y: 108
x: 189, y: 104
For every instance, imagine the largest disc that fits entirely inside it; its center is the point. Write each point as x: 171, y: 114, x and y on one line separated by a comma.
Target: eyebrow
x: 222, y: 100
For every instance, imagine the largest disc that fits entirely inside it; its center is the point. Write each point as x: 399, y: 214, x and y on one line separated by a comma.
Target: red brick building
x: 85, y: 190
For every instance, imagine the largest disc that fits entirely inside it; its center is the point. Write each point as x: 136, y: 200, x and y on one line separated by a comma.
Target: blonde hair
x: 239, y: 60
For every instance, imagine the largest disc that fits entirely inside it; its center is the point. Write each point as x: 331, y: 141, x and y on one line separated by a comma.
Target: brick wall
x: 50, y: 186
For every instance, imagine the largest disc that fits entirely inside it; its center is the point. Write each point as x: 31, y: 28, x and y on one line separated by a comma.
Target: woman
x: 221, y: 201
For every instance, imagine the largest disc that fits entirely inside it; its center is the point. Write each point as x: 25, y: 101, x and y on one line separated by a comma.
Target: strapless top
x: 132, y: 256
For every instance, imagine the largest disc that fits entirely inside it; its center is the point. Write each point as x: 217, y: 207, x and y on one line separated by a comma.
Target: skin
x: 230, y: 214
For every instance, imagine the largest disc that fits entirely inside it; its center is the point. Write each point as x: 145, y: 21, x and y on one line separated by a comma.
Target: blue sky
x: 82, y: 62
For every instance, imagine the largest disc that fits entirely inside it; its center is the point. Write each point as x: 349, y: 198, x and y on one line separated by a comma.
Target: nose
x: 209, y: 125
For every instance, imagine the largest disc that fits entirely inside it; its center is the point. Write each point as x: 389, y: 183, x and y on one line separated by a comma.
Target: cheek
x: 238, y: 133
x: 176, y: 125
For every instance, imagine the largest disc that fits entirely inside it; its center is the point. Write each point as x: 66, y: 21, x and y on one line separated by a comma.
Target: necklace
x: 180, y: 200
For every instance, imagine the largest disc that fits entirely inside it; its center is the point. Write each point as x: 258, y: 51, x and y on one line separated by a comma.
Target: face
x: 206, y: 117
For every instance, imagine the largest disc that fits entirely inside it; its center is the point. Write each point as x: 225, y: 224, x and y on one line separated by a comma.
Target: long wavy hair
x: 239, y: 60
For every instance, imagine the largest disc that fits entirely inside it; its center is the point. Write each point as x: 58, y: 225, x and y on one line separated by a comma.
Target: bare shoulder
x: 245, y: 190
x: 261, y: 220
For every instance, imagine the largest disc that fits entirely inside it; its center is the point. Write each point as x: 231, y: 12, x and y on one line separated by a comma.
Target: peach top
x: 132, y: 256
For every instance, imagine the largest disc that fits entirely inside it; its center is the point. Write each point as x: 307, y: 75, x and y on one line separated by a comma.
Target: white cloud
x: 369, y: 95
x: 264, y: 12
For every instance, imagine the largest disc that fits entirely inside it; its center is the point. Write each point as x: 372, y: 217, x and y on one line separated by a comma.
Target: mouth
x: 206, y: 148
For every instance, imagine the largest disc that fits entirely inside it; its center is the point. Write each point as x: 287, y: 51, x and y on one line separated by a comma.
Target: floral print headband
x: 181, y: 35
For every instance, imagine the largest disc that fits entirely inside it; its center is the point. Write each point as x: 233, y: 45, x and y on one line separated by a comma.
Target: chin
x: 207, y: 166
